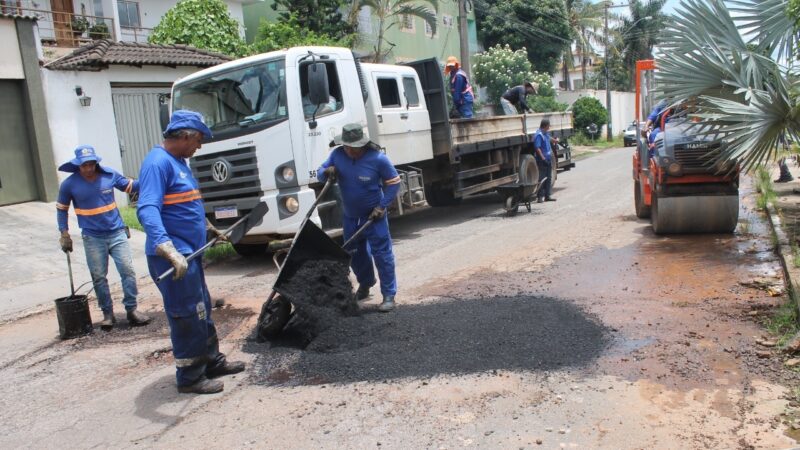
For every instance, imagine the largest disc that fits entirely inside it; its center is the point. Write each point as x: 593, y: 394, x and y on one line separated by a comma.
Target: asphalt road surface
x: 571, y: 326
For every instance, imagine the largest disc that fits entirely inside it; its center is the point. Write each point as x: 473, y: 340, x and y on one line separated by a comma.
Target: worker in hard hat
x: 460, y: 88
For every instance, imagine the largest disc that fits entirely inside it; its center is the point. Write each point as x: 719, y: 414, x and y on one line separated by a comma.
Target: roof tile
x: 99, y: 54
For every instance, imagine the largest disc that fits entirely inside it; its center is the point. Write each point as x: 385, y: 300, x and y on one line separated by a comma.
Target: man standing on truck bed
x: 460, y: 88
x: 369, y: 183
x: 90, y: 189
x: 172, y: 214
x: 517, y: 97
x: 543, y: 154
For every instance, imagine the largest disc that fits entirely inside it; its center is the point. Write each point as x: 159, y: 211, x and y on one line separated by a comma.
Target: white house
x: 576, y: 80
x: 107, y: 94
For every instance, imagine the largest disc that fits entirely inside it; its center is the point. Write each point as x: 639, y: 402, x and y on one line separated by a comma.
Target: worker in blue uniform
x: 90, y: 189
x: 172, y: 214
x: 460, y: 89
x: 544, y: 160
x: 368, y: 183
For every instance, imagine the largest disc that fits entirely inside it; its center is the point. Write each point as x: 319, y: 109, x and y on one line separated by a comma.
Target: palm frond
x: 423, y: 12
x: 771, y: 28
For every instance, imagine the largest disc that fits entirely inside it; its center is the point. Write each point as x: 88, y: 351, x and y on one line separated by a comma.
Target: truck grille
x: 242, y: 181
x: 696, y: 156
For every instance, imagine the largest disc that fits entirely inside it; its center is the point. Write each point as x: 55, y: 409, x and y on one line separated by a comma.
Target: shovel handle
x: 71, y: 282
x: 358, y: 233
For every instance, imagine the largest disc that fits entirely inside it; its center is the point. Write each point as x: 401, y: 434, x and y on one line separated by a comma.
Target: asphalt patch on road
x: 458, y: 336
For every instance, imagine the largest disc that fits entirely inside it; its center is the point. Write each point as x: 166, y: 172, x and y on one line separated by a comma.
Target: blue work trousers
x: 98, y: 249
x: 374, y: 243
x: 188, y: 306
x: 465, y: 109
x: 545, y: 170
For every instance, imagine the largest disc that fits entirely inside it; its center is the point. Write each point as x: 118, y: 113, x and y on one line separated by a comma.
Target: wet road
x: 572, y: 325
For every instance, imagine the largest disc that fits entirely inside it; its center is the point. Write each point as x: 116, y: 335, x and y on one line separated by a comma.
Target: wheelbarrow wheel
x: 511, y: 205
x: 274, y: 316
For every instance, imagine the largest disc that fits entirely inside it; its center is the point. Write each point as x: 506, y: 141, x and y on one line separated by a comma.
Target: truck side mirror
x: 318, y: 83
x: 163, y: 110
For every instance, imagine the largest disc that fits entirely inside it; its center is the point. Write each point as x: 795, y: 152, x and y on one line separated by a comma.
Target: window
x: 334, y: 102
x: 407, y: 22
x: 428, y: 29
x: 128, y: 14
x: 387, y: 89
x: 410, y: 89
x: 447, y: 21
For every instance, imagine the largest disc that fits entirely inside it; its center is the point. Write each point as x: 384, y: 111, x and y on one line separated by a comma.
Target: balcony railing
x: 65, y: 29
x: 134, y: 34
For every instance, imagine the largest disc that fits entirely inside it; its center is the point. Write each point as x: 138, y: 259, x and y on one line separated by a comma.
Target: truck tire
x: 250, y: 250
x: 642, y: 210
x: 437, y: 195
x: 528, y: 170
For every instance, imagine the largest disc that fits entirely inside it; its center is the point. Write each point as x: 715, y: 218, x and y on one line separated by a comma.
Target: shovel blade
x: 311, y: 244
x: 253, y: 218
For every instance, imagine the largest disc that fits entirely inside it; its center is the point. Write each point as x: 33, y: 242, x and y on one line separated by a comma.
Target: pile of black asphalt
x: 449, y: 336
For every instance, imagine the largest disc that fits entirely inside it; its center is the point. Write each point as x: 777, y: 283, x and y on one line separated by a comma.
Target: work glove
x: 330, y: 173
x: 168, y: 251
x: 213, y: 231
x: 66, y: 243
x: 377, y: 213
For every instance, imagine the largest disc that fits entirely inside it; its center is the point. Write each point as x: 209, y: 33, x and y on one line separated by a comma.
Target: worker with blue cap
x: 90, y: 190
x: 171, y: 211
x: 369, y: 183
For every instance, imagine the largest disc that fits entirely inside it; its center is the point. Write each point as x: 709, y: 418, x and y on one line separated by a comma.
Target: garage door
x: 17, y: 179
x: 138, y: 126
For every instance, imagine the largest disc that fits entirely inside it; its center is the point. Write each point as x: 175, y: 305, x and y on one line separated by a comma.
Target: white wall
x: 623, y: 105
x: 10, y: 57
x: 72, y: 124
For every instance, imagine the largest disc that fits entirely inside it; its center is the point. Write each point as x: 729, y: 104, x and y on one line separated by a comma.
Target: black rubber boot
x: 362, y: 293
x: 203, y: 386
x: 387, y: 304
x: 108, y: 320
x: 135, y: 318
x: 229, y: 368
x: 785, y: 176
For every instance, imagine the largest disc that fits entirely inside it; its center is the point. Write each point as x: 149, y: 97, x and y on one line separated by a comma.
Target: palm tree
x: 585, y: 21
x: 391, y: 12
x: 724, y: 64
x: 640, y: 31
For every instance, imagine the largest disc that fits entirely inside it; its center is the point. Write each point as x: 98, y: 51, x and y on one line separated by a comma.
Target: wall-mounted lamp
x: 82, y: 97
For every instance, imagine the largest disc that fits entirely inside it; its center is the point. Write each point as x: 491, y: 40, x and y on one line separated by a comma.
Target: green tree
x: 289, y: 33
x: 205, y: 24
x: 619, y: 73
x: 391, y: 12
x: 585, y: 22
x: 540, y: 26
x: 587, y: 111
x: 716, y: 57
x: 322, y: 17
x: 640, y: 31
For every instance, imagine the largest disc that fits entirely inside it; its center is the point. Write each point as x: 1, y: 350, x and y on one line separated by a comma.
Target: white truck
x: 274, y: 116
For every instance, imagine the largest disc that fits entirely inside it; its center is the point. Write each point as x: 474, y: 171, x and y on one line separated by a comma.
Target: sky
x: 669, y: 7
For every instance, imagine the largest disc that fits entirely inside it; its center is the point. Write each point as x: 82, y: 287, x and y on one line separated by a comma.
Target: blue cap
x: 83, y: 153
x: 184, y: 119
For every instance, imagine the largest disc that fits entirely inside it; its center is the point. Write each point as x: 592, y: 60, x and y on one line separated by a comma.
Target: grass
x: 766, y: 192
x: 600, y: 143
x: 215, y: 253
x: 795, y: 254
x: 783, y: 322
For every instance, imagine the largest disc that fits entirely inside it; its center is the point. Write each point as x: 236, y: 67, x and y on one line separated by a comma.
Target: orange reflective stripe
x: 182, y: 197
x: 62, y: 206
x: 96, y: 211
x: 395, y: 180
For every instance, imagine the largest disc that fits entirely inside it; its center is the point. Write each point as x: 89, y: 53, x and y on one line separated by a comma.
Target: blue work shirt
x: 656, y: 111
x: 460, y: 88
x: 170, y: 207
x: 365, y: 182
x: 542, y: 141
x: 93, y: 201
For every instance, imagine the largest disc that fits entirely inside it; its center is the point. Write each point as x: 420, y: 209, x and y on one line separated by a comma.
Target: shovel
x: 235, y: 233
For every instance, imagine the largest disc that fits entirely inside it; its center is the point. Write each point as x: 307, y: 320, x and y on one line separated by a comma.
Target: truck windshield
x: 241, y: 98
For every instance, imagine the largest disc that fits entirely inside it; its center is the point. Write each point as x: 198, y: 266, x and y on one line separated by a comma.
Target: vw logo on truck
x: 221, y: 171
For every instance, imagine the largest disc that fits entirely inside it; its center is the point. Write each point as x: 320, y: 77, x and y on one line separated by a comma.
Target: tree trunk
x: 378, y: 49
x: 567, y: 84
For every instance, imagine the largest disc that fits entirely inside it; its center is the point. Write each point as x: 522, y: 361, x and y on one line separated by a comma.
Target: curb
x: 784, y: 249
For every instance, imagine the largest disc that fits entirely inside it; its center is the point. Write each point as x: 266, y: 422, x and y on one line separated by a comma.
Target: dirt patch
x: 445, y: 337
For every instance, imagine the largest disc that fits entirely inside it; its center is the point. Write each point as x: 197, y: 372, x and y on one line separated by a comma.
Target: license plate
x: 226, y: 212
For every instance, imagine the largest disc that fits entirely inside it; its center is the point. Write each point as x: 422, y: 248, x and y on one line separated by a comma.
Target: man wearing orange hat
x: 459, y: 87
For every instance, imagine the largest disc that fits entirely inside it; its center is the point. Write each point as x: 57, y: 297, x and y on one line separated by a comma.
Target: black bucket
x: 73, y: 316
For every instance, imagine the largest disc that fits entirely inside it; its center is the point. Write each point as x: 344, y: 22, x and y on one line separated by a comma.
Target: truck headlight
x: 674, y: 169
x: 291, y: 204
x: 287, y: 174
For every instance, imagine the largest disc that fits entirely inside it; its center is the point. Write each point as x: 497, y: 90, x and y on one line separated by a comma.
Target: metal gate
x: 136, y: 111
x: 17, y: 176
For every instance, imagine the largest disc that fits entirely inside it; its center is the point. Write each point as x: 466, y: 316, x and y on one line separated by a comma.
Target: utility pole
x: 463, y: 35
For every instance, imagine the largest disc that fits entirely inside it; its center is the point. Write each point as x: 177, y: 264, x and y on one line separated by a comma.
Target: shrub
x: 99, y: 31
x: 205, y: 24
x: 588, y: 110
x: 288, y: 33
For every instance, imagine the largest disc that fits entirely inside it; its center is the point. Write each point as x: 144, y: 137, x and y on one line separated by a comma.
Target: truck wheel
x: 250, y: 250
x: 642, y: 210
x: 274, y: 316
x: 437, y: 195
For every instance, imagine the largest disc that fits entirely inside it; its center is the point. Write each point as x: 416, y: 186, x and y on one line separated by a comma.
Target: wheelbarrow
x: 309, y: 244
x: 519, y: 193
